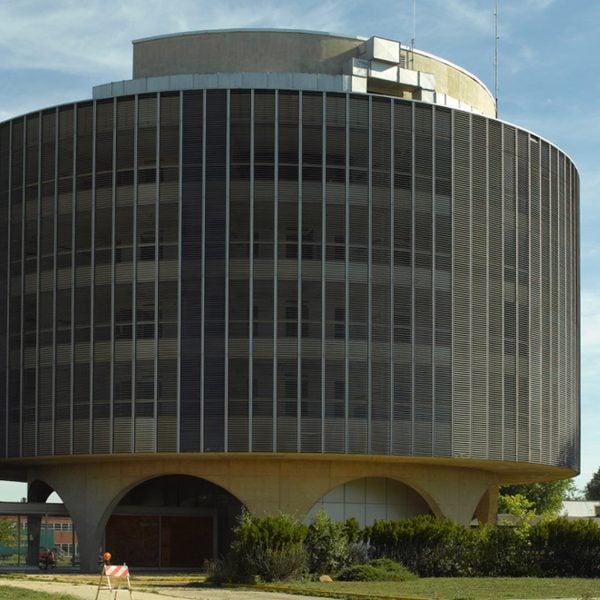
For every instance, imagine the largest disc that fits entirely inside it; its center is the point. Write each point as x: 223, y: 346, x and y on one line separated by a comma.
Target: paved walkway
x: 88, y: 592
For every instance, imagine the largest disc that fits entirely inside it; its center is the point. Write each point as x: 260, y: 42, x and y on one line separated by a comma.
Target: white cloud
x: 77, y: 37
x: 460, y: 18
x: 473, y: 14
x: 54, y: 52
x: 530, y: 5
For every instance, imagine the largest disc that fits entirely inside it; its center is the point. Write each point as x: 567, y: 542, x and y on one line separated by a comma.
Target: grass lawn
x: 11, y: 593
x: 447, y: 588
x: 429, y: 588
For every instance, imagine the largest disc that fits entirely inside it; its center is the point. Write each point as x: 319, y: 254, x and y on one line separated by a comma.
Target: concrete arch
x: 91, y: 491
x: 42, y: 487
x: 133, y: 484
x: 46, y: 483
x: 369, y: 497
x: 38, y: 491
x: 83, y: 501
x: 265, y: 484
x: 173, y: 520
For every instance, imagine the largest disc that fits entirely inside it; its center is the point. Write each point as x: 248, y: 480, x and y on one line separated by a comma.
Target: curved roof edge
x: 449, y: 63
x: 247, y: 30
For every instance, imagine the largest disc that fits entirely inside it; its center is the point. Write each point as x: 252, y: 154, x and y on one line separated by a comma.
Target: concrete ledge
x: 321, y: 82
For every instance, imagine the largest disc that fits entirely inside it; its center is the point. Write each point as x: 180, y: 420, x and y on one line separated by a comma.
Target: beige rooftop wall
x: 242, y: 51
x: 455, y: 82
x: 385, y: 65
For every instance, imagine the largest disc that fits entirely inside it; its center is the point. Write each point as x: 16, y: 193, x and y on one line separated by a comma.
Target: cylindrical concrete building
x: 285, y: 270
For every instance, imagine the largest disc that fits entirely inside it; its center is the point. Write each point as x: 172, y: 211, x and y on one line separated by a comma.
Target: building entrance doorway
x: 161, y: 541
x: 173, y: 521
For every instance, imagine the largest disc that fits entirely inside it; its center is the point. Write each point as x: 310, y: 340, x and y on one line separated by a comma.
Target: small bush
x: 268, y: 548
x: 352, y: 530
x: 225, y: 570
x: 361, y: 573
x: 428, y: 546
x: 327, y: 544
x: 389, y: 565
x: 279, y: 564
x: 359, y: 553
x: 381, y: 569
x: 503, y: 552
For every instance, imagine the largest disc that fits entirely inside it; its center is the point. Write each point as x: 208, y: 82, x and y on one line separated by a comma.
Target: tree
x: 521, y: 508
x: 8, y: 531
x: 592, y: 489
x: 546, y: 497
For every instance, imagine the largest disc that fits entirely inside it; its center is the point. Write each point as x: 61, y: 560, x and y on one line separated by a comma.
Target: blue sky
x: 54, y: 52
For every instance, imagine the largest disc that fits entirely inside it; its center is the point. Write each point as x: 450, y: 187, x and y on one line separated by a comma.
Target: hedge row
x: 282, y: 548
x: 434, y: 548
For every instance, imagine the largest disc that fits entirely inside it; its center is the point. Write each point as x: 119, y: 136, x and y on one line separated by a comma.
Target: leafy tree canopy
x: 546, y: 497
x: 521, y: 508
x: 8, y: 531
x: 592, y: 489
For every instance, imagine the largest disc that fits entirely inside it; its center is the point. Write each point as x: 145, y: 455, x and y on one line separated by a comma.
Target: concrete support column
x: 89, y: 536
x: 37, y: 491
x: 89, y: 496
x: 456, y: 492
x: 34, y: 526
x: 487, y: 509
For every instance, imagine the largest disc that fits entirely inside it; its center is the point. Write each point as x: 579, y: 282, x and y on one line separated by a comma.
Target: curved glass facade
x: 284, y: 271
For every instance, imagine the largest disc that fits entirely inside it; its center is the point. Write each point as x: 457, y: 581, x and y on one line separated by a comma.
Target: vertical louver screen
x: 285, y: 271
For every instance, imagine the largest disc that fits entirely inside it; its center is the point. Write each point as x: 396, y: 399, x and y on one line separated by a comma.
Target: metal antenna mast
x: 497, y: 39
x: 414, y: 26
x: 413, y: 40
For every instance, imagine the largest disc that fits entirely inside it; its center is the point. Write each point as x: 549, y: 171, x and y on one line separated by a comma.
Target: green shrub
x: 359, y: 553
x: 225, y: 570
x: 362, y: 573
x: 268, y: 548
x: 281, y: 548
x: 391, y: 566
x: 434, y: 548
x: 326, y: 544
x: 381, y: 569
x: 279, y: 564
x: 551, y: 548
x: 504, y: 552
x: 428, y: 546
x: 564, y: 548
x: 352, y: 530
